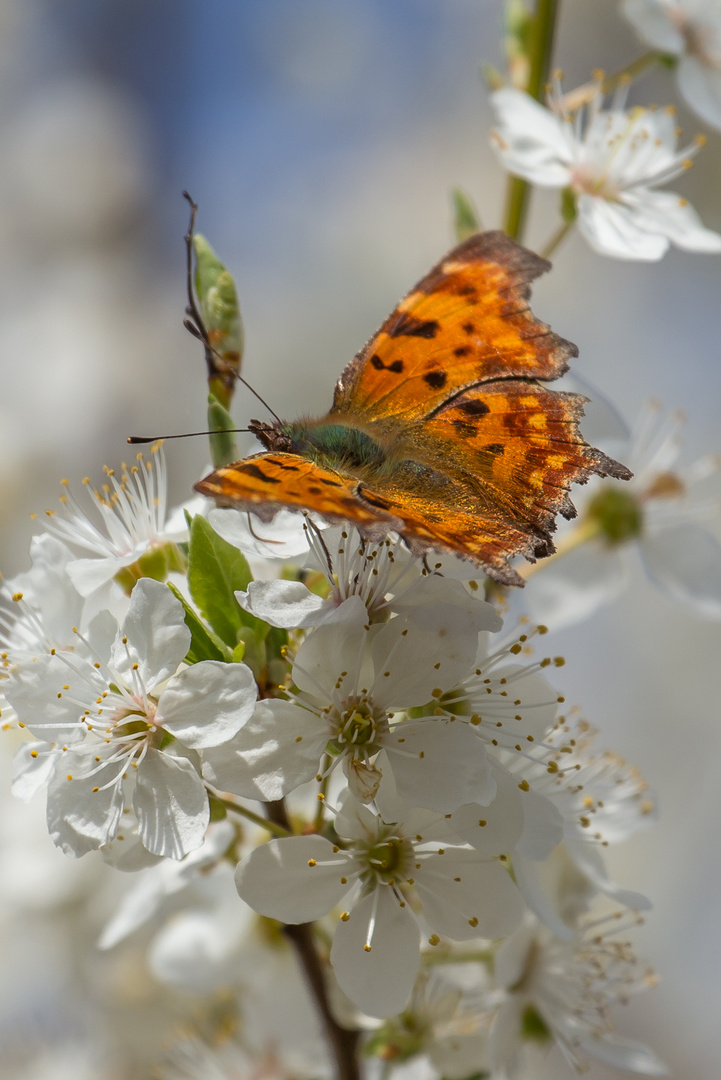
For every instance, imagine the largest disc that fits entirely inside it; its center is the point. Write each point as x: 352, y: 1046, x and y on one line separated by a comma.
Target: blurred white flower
x: 612, y: 161
x: 133, y: 513
x: 669, y: 514
x: 376, y: 945
x: 562, y: 990
x: 690, y: 30
x: 131, y: 712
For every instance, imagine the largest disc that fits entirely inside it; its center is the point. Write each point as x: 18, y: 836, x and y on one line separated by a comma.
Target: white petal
x: 700, y: 85
x: 668, y: 214
x: 295, y: 879
x: 611, y: 229
x: 59, y: 601
x: 171, y: 805
x: 79, y: 818
x: 624, y: 1054
x: 33, y: 766
x: 538, y: 900
x: 543, y: 826
x: 464, y: 897
x: 283, y: 603
x: 279, y: 748
x: 280, y: 538
x: 654, y: 23
x: 570, y: 590
x: 380, y: 980
x: 589, y: 861
x: 685, y: 560
x: 422, y: 658
x: 87, y: 575
x: 531, y: 140
x: 158, y: 638
x: 456, y: 1057
x: 44, y: 694
x: 332, y: 649
x: 208, y: 703
x: 435, y: 589
x: 438, y: 764
x: 496, y: 828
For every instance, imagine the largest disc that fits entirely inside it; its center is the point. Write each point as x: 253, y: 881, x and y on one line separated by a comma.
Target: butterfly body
x: 441, y: 428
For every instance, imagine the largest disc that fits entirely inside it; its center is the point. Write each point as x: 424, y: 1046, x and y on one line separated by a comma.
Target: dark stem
x: 344, y: 1043
x: 541, y: 50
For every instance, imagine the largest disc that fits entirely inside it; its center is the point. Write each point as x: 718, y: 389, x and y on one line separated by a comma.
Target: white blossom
x: 669, y: 514
x: 612, y: 161
x: 384, y: 857
x: 563, y: 990
x: 352, y: 679
x: 133, y: 714
x: 691, y: 31
x: 133, y: 521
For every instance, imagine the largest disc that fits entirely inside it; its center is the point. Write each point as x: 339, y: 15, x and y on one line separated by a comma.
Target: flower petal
x: 613, y: 229
x: 378, y: 980
x: 33, y: 766
x: 283, y: 603
x: 157, y: 637
x: 208, y: 703
x: 171, y: 805
x: 700, y: 85
x: 465, y: 897
x: 531, y: 140
x: 496, y: 828
x: 439, y: 765
x: 80, y: 814
x: 294, y: 879
x: 685, y: 560
x: 278, y: 749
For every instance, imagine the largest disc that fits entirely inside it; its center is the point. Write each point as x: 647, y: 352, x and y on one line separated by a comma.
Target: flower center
x: 357, y: 726
x: 389, y: 859
x: 618, y: 514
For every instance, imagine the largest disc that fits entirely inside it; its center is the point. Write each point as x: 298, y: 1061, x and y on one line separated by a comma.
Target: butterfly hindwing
x: 466, y: 322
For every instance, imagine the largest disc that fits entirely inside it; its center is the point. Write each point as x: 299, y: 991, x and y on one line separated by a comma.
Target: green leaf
x: 465, y: 215
x: 216, y: 570
x: 204, y: 645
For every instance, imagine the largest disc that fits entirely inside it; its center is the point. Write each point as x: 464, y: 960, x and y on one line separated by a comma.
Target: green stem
x: 257, y: 819
x: 558, y: 237
x: 541, y: 49
x: 583, y: 94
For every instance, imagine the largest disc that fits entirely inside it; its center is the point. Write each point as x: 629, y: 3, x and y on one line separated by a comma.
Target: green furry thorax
x: 336, y: 446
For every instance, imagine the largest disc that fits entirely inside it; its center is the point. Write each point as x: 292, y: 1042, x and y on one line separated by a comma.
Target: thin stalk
x: 447, y: 956
x: 257, y: 819
x: 583, y: 94
x: 343, y: 1043
x: 541, y: 50
x: 558, y: 237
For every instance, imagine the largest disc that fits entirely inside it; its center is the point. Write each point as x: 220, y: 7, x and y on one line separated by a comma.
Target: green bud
x: 618, y: 513
x: 219, y: 307
x: 465, y: 215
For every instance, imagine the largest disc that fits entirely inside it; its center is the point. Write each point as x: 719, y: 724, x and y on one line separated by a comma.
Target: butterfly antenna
x: 136, y: 440
x: 194, y: 324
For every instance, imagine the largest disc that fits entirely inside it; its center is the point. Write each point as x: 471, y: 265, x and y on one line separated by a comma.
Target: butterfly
x: 441, y: 429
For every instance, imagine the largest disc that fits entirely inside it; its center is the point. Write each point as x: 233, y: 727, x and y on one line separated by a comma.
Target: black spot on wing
x: 257, y: 472
x: 494, y: 448
x: 462, y: 350
x: 473, y: 407
x: 411, y: 326
x: 396, y: 367
x: 436, y: 379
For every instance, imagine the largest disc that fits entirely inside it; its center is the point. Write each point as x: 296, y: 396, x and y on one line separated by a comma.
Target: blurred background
x: 321, y: 141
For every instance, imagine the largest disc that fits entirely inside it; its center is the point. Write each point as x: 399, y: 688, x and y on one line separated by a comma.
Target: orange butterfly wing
x: 466, y: 322
x: 267, y: 483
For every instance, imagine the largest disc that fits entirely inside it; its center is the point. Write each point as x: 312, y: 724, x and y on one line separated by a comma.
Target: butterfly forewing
x: 466, y: 322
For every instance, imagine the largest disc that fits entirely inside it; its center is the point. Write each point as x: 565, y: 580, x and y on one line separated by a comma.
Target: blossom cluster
x: 431, y: 801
